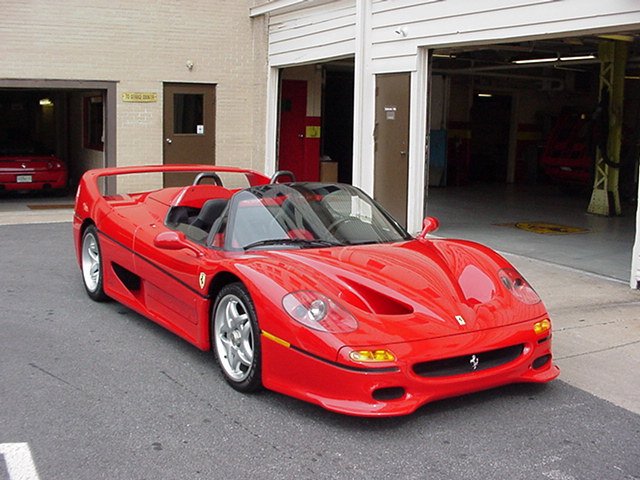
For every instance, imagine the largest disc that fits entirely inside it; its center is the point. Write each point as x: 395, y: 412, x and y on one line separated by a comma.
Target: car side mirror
x: 173, y: 240
x: 429, y: 225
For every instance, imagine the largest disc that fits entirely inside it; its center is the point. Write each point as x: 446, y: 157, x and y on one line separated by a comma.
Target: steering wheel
x: 336, y: 223
x: 214, y: 175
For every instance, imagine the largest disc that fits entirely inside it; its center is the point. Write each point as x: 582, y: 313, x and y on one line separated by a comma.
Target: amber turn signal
x: 372, y: 356
x: 542, y: 326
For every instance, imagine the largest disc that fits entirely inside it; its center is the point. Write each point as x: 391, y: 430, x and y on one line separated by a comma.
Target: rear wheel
x: 236, y: 338
x: 92, y: 265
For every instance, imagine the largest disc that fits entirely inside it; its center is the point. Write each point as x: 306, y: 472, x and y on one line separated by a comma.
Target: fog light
x: 541, y: 361
x: 542, y: 326
x: 388, y: 393
x: 372, y: 356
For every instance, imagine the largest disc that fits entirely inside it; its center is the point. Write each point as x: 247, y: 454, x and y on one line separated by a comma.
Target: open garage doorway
x: 523, y: 122
x: 315, y: 134
x: 51, y: 132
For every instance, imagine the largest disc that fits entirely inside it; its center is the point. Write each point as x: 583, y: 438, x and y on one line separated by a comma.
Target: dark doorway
x: 490, y: 126
x: 337, y: 121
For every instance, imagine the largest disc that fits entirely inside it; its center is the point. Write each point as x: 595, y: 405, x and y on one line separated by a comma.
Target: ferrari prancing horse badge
x: 202, y: 280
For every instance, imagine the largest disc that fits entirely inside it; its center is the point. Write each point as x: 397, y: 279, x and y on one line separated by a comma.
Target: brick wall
x: 141, y: 45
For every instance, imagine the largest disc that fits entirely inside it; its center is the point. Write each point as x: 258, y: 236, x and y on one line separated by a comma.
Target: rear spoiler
x: 91, y: 177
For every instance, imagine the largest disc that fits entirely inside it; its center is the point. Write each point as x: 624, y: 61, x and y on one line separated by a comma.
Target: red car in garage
x: 31, y: 168
x: 312, y: 290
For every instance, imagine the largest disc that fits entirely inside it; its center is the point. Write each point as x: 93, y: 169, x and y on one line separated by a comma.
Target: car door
x: 173, y: 290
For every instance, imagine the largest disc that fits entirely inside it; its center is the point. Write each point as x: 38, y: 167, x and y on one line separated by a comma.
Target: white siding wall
x: 435, y: 23
x: 312, y: 34
x: 328, y: 30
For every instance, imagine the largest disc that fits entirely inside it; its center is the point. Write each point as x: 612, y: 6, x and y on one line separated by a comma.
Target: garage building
x: 104, y: 83
x: 448, y: 94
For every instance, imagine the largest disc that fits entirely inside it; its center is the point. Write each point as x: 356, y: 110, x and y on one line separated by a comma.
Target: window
x: 188, y: 113
x: 94, y: 123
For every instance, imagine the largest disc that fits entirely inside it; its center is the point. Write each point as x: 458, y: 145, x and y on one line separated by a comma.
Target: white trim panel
x: 635, y: 260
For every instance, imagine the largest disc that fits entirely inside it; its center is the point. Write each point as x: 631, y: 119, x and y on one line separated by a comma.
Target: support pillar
x: 605, y: 199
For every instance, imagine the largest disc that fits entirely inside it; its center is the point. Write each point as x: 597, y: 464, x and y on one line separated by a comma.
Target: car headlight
x: 318, y: 312
x: 518, y: 286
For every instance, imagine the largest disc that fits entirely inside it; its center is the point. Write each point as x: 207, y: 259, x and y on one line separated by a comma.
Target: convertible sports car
x: 30, y: 168
x: 312, y: 290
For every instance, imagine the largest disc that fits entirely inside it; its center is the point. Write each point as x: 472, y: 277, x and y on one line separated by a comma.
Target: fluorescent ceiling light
x: 485, y: 95
x: 46, y: 102
x: 555, y: 59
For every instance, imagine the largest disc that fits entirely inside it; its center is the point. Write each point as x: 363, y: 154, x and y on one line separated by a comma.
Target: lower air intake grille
x: 468, y: 363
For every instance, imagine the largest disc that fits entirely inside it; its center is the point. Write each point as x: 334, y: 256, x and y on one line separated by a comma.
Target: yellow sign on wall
x: 312, y: 132
x: 140, y: 97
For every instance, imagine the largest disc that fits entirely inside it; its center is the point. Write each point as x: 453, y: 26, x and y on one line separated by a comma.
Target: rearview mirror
x: 429, y: 225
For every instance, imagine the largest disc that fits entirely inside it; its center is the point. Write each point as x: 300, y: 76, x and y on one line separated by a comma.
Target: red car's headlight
x: 316, y: 311
x: 518, y: 286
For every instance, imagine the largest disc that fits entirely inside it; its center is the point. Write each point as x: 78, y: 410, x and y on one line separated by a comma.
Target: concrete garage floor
x: 35, y: 208
x: 480, y: 213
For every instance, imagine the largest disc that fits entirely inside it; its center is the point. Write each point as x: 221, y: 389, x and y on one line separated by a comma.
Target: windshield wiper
x: 303, y: 242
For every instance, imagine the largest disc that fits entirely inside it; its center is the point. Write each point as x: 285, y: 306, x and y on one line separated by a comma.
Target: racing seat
x: 210, y: 211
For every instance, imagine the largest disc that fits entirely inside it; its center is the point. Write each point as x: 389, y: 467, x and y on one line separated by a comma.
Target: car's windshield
x: 306, y: 215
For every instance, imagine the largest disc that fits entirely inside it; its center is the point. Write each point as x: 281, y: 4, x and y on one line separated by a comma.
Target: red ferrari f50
x: 312, y: 290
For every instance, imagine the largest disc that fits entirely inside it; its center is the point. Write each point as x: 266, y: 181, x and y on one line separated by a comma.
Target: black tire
x: 235, y: 338
x: 91, y: 265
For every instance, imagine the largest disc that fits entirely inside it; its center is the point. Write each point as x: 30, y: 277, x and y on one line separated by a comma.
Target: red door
x: 297, y: 153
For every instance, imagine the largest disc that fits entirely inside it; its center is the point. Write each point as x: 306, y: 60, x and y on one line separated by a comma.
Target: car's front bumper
x: 352, y: 390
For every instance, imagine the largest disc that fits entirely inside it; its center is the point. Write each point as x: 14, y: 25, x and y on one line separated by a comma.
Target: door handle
x: 169, y: 141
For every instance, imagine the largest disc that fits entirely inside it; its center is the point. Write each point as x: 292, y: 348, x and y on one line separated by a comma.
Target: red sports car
x: 567, y: 157
x: 312, y: 290
x: 30, y: 168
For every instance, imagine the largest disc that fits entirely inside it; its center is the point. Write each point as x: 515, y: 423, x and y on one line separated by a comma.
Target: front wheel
x: 236, y: 338
x: 91, y: 265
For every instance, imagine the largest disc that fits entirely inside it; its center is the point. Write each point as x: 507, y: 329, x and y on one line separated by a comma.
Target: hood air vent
x: 366, y: 298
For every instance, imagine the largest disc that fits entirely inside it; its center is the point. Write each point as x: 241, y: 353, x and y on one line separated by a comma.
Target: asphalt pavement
x: 96, y: 391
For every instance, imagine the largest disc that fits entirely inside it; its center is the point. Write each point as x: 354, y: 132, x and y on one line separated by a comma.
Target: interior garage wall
x: 80, y: 158
x: 140, y: 45
x: 535, y: 111
x: 313, y: 77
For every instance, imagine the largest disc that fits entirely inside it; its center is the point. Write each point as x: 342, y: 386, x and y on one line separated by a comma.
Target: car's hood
x: 407, y: 291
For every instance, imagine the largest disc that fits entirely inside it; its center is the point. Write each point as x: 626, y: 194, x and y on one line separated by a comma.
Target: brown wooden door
x: 189, y: 127
x: 391, y: 167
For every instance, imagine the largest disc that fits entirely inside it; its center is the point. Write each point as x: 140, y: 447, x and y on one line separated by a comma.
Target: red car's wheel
x: 91, y: 265
x: 236, y: 338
